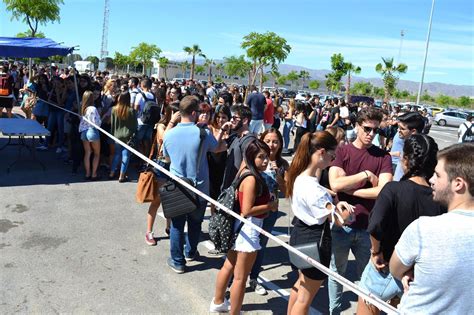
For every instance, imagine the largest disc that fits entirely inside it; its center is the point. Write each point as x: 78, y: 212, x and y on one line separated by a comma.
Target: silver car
x: 450, y: 118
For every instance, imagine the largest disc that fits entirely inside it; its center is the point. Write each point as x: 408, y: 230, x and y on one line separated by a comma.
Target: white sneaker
x: 42, y: 147
x: 257, y: 287
x: 59, y: 150
x: 219, y: 308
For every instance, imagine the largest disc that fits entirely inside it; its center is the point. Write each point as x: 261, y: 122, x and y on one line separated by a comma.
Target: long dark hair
x: 123, y: 104
x: 279, y: 159
x: 253, y: 148
x: 310, y: 143
x: 420, y: 151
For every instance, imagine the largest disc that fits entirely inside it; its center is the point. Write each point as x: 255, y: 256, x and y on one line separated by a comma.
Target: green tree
x: 194, y: 51
x: 34, y: 12
x: 200, y: 69
x: 264, y: 50
x: 293, y: 77
x: 281, y: 80
x: 28, y: 33
x: 378, y: 92
x: 94, y: 60
x: 444, y: 100
x: 209, y: 63
x: 237, y: 66
x: 220, y: 67
x: 314, y: 84
x: 274, y: 74
x: 362, y: 88
x: 184, y: 67
x: 109, y: 63
x: 464, y: 101
x: 333, y: 79
x: 390, y: 74
x: 350, y: 68
x: 164, y: 63
x: 144, y: 53
x: 304, y: 75
x: 120, y: 60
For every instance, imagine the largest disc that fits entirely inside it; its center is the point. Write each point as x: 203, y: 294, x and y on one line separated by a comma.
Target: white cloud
x: 176, y: 56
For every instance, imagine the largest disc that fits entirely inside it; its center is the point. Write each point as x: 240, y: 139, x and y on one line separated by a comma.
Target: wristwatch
x: 375, y: 253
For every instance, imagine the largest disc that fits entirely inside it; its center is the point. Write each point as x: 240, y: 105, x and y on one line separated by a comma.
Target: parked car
x: 450, y: 118
x: 290, y: 94
x: 435, y: 110
x: 301, y: 96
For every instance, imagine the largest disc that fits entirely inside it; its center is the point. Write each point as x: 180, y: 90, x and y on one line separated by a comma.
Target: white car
x: 301, y: 96
x: 450, y: 118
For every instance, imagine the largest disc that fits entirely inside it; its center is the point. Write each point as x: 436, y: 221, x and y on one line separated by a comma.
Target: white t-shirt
x: 441, y: 248
x: 344, y: 112
x: 141, y: 102
x: 309, y: 200
x: 462, y: 129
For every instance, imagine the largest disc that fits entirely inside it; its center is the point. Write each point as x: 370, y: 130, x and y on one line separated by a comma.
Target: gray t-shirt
x: 442, y: 250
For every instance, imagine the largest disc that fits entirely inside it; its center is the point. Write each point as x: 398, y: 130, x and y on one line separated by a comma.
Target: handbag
x: 147, y: 188
x: 132, y: 141
x: 161, y: 161
x: 176, y: 199
x: 309, y: 249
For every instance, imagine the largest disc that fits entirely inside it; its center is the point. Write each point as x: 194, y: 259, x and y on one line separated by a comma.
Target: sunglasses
x: 368, y: 130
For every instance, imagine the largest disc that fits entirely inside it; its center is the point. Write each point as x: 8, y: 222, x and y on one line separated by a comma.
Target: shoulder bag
x: 309, y: 249
x: 176, y: 199
x: 147, y: 188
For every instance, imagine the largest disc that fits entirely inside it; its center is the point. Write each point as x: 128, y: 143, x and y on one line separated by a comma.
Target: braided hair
x: 420, y: 152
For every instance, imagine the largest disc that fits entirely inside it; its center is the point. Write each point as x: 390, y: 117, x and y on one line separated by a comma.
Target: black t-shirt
x: 398, y: 205
x: 335, y: 110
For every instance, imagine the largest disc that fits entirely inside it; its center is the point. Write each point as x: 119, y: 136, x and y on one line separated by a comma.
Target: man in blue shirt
x: 257, y: 102
x: 181, y: 147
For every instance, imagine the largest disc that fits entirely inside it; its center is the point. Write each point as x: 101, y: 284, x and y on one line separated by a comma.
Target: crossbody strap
x: 202, y: 136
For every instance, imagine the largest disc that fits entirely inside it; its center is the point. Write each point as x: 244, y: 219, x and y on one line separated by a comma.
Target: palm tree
x: 209, y: 63
x: 219, y: 68
x: 184, y: 67
x: 194, y: 51
x: 350, y: 68
x: 390, y: 73
x: 164, y: 63
x: 304, y: 75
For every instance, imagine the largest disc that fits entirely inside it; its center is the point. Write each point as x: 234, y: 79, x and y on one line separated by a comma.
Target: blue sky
x: 362, y: 30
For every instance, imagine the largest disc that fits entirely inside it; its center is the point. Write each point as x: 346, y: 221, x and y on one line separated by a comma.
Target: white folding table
x: 22, y: 128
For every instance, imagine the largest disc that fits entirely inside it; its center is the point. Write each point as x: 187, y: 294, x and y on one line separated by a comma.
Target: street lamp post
x: 426, y: 55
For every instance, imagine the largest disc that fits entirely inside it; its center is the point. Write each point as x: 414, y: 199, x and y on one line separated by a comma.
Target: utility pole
x: 402, y: 34
x: 105, y: 35
x: 426, y: 55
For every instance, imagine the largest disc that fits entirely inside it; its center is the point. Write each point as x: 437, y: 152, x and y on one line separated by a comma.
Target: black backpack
x: 468, y: 135
x: 221, y: 224
x: 151, y: 111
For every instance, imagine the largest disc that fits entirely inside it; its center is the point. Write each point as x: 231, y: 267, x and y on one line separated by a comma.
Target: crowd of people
x: 362, y: 179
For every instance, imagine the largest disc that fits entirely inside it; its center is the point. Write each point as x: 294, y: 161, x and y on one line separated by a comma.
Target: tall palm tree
x: 304, y: 75
x: 164, y: 63
x: 209, y: 63
x: 194, y: 51
x: 390, y: 72
x: 350, y: 68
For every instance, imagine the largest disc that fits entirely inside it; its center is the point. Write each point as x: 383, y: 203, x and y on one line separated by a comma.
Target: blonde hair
x: 87, y: 100
x: 110, y: 83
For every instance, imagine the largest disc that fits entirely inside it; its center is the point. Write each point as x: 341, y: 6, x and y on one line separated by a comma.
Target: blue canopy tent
x: 30, y: 47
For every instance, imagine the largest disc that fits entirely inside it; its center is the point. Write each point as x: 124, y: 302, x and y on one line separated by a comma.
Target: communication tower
x: 105, y: 34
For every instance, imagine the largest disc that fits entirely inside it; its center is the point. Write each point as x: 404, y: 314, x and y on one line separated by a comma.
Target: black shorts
x: 6, y: 102
x: 303, y: 234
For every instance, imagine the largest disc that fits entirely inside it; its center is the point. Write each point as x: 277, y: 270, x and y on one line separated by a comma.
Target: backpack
x: 221, y: 224
x: 5, y: 84
x: 151, y: 111
x: 468, y: 135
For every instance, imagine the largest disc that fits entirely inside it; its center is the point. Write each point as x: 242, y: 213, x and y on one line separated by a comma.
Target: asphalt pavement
x: 68, y: 245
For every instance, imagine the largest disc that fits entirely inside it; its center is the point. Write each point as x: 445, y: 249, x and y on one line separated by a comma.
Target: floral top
x: 93, y: 115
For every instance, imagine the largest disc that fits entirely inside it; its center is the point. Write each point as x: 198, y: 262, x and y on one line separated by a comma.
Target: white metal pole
x: 426, y: 55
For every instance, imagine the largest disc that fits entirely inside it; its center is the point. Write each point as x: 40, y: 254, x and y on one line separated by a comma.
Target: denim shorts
x: 381, y: 284
x: 144, y: 132
x: 248, y: 240
x: 91, y: 135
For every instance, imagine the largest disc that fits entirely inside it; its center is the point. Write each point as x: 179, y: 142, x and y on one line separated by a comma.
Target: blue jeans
x: 120, y: 151
x: 56, y: 122
x: 343, y: 240
x: 286, y: 132
x: 268, y: 224
x: 178, y: 238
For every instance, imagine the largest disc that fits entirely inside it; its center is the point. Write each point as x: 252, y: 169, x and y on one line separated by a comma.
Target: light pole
x: 426, y: 55
x: 402, y: 33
